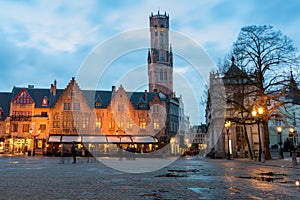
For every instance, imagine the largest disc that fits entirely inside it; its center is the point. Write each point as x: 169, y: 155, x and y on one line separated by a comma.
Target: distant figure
x: 74, y: 152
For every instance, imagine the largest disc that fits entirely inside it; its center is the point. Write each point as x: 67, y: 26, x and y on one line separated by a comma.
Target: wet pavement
x: 187, y: 178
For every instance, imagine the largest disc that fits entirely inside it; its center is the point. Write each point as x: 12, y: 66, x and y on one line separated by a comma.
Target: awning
x: 103, y: 139
x: 143, y: 140
x: 54, y: 138
x: 70, y: 139
x: 94, y: 139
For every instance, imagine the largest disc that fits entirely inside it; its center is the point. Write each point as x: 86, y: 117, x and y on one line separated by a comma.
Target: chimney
x: 51, y: 88
x: 54, y: 88
x: 146, y: 95
x: 113, y: 88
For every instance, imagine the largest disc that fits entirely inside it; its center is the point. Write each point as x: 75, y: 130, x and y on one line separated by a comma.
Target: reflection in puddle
x: 267, y: 177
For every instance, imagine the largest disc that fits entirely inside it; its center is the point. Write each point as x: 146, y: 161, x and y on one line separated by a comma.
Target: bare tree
x: 264, y: 53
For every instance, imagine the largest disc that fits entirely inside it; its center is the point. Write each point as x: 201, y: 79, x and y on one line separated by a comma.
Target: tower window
x: 165, y: 75
x: 161, y: 75
x: 161, y: 28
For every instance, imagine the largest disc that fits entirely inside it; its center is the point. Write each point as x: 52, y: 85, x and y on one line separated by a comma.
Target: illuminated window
x: 85, y: 121
x: 76, y: 120
x: 14, y: 128
x: 98, y: 122
x: 45, y: 101
x: 111, y: 124
x: 43, y: 127
x: 129, y: 123
x: 67, y: 120
x: 156, y: 123
x: 26, y: 128
x: 98, y: 104
x: 56, y: 120
x: 142, y: 123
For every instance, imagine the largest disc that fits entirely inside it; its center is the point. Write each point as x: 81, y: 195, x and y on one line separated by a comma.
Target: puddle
x: 267, y: 177
x: 172, y: 175
x: 183, y: 170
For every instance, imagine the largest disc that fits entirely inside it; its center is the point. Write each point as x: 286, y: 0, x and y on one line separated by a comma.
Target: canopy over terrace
x: 103, y: 139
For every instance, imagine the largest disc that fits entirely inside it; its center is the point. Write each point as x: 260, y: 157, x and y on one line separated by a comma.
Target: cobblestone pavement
x: 186, y: 178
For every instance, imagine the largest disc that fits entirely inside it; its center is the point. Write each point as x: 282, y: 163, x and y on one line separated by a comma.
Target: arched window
x: 45, y: 101
x: 165, y: 75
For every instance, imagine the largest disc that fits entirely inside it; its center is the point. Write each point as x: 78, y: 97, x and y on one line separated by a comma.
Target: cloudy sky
x: 43, y: 41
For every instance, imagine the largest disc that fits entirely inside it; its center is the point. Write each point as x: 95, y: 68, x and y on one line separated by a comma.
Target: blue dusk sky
x: 43, y: 41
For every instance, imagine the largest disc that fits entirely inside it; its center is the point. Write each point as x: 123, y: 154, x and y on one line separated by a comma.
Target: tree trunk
x: 266, y: 140
x: 247, y: 141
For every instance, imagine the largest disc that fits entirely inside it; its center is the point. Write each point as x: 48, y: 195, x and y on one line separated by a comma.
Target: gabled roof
x: 234, y: 71
x: 37, y: 94
x: 5, y: 98
x: 93, y: 96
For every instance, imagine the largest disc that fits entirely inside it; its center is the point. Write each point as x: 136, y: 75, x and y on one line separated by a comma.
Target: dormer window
x: 45, y: 101
x: 142, y: 106
x: 98, y: 104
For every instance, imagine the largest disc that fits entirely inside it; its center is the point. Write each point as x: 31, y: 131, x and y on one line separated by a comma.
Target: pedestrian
x: 74, y: 152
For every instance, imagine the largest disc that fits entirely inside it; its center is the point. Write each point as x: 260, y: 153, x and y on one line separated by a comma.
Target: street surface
x: 187, y: 178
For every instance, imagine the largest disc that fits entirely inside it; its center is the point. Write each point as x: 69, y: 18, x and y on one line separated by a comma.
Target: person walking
x: 74, y: 152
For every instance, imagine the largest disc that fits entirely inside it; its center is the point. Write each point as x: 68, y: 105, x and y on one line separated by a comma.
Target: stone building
x: 29, y: 115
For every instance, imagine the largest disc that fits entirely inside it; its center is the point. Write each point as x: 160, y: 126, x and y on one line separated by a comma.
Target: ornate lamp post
x: 227, y: 126
x: 257, y: 114
x: 280, y: 152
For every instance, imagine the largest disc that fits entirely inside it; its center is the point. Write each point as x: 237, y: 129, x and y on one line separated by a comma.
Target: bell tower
x: 160, y: 57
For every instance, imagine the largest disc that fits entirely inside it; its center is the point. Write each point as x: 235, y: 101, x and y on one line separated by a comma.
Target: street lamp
x: 227, y: 126
x: 257, y: 113
x: 280, y: 152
